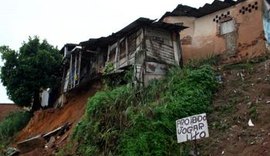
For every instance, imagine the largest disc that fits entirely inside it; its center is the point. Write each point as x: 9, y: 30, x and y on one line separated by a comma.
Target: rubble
x: 30, y: 144
x: 42, y: 141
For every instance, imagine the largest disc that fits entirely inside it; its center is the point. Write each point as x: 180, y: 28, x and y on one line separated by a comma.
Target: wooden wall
x: 159, y: 45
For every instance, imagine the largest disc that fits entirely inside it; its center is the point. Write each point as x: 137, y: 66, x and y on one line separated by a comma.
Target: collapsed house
x: 147, y: 46
x: 232, y: 28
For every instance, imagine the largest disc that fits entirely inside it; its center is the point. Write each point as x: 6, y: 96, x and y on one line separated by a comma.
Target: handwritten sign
x: 192, y: 128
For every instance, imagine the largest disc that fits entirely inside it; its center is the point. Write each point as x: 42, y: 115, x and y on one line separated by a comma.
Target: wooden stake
x: 195, y: 147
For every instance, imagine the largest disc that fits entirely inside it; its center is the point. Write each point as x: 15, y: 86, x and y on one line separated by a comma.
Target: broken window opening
x: 226, y: 27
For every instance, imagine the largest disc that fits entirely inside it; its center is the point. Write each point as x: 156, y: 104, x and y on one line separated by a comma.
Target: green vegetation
x: 127, y: 121
x: 253, y: 113
x: 12, y: 124
x: 109, y: 67
x: 65, y: 150
x: 211, y: 59
x: 35, y: 66
x: 247, y: 66
x: 113, y: 80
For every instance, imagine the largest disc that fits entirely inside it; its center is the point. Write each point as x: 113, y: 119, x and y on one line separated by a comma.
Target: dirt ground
x: 45, y: 121
x: 5, y: 109
x: 243, y: 95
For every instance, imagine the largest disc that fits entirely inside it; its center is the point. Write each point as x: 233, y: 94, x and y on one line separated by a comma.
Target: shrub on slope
x: 128, y: 121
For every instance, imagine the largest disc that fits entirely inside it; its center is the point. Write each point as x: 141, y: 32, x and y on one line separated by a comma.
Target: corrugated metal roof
x: 184, y: 10
x: 131, y: 28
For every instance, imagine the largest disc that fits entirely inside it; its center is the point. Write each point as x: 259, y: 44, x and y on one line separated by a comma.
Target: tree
x: 36, y: 65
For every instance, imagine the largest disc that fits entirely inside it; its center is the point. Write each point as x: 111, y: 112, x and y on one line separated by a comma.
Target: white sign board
x: 192, y: 128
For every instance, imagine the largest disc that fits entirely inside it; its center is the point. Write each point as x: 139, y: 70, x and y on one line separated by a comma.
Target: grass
x: 12, y: 124
x: 247, y: 66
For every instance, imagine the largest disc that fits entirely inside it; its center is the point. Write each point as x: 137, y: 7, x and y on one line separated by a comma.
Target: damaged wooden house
x: 147, y: 46
x: 234, y: 29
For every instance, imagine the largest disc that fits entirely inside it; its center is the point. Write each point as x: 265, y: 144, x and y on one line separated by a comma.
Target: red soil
x: 45, y: 121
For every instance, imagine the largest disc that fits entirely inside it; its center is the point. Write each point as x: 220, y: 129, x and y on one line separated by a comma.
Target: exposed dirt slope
x: 5, y: 109
x: 47, y: 120
x: 244, y: 95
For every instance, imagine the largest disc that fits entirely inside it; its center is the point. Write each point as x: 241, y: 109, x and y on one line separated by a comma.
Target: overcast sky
x: 73, y: 21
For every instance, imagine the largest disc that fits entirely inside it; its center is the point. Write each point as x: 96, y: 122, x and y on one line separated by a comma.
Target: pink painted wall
x: 202, y: 38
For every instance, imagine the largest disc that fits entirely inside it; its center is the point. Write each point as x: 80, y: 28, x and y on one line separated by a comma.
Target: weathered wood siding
x: 159, y: 45
x: 122, y: 53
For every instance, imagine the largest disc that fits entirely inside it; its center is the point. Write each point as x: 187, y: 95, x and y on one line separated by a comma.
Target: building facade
x: 232, y: 28
x: 147, y: 46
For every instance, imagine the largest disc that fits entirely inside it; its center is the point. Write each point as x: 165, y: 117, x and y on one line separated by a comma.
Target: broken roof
x: 131, y: 28
x: 216, y: 5
x: 69, y: 46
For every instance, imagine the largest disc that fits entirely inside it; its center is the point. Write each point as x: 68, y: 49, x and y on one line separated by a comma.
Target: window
x: 122, y: 49
x: 112, y: 55
x: 227, y: 27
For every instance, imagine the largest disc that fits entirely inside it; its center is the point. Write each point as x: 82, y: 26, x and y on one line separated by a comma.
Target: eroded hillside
x: 243, y: 95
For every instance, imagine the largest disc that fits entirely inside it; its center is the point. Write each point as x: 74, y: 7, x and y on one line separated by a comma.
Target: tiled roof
x: 184, y: 10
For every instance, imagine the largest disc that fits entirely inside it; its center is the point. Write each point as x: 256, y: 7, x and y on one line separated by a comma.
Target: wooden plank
x: 132, y: 60
x: 122, y: 61
x: 156, y: 44
x: 122, y: 39
x: 116, y: 59
x: 167, y: 60
x: 114, y: 45
x: 123, y: 64
x: 161, y: 51
x: 161, y: 56
x: 58, y: 131
x: 132, y: 45
x: 160, y: 34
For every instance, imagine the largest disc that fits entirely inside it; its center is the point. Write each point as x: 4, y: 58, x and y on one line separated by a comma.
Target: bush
x: 124, y: 121
x: 12, y: 124
x: 102, y: 117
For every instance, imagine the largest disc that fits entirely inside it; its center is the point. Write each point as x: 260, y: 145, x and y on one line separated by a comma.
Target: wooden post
x: 108, y: 54
x: 127, y: 52
x: 79, y: 68
x: 180, y: 50
x: 70, y: 72
x: 195, y: 147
